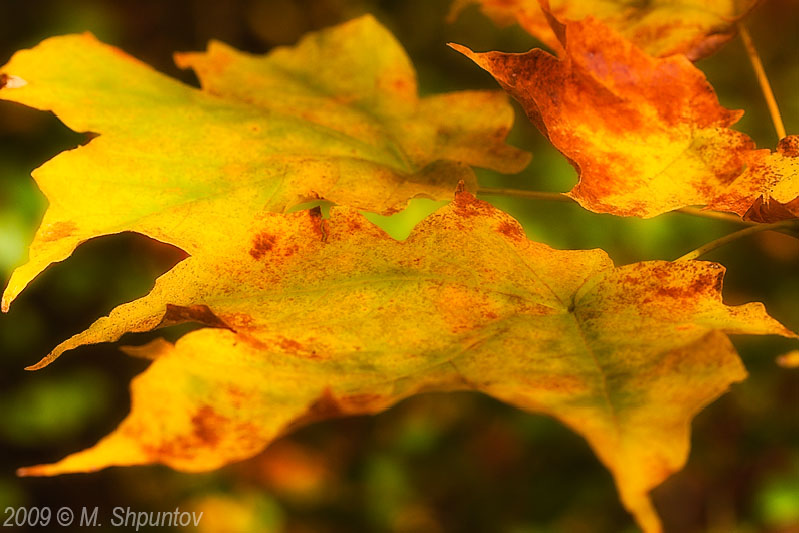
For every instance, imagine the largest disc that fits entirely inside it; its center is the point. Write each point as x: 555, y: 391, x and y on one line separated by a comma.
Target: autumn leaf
x: 336, y: 117
x: 313, y: 319
x: 772, y: 179
x: 646, y: 135
x: 696, y: 28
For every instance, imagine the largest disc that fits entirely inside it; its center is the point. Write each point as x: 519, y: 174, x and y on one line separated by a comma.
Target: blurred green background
x: 437, y: 463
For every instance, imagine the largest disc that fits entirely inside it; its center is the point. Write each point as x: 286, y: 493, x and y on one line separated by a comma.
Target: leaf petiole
x: 726, y: 239
x: 518, y: 193
x: 765, y: 86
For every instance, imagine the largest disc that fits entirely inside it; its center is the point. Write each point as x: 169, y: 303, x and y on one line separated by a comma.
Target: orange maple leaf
x: 646, y: 135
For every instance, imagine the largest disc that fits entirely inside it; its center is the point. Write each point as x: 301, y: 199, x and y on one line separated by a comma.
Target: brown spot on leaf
x: 467, y: 205
x: 789, y: 146
x: 329, y: 406
x: 208, y: 429
x: 177, y: 448
x: 261, y: 244
x: 3, y: 80
x: 718, y: 281
x: 252, y: 341
x: 323, y: 408
x: 511, y: 229
x: 462, y: 309
x: 702, y: 284
x: 290, y: 345
x: 207, y: 425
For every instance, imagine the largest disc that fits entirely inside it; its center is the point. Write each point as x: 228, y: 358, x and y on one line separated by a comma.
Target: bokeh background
x: 434, y: 463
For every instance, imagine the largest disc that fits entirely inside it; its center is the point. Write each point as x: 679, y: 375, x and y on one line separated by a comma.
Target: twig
x: 726, y: 239
x: 715, y: 215
x: 765, y: 86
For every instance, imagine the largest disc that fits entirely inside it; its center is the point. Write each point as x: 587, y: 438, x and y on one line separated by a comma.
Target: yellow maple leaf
x: 313, y: 319
x: 660, y: 27
x: 336, y: 117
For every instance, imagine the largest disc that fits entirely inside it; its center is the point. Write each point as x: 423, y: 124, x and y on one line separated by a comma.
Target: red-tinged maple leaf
x: 646, y: 135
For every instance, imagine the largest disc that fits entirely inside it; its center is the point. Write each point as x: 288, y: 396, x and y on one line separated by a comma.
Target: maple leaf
x: 646, y: 135
x: 336, y: 117
x: 660, y: 27
x: 311, y: 322
x: 772, y: 179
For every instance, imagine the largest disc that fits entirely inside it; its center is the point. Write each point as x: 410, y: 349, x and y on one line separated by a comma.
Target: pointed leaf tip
x: 26, y: 471
x: 43, y: 470
x: 43, y: 362
x: 462, y: 49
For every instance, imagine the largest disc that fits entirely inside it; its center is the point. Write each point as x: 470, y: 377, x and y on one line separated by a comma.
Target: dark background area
x: 437, y: 462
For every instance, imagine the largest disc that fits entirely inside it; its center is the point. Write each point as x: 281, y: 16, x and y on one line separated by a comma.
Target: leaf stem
x: 560, y: 197
x: 518, y: 193
x: 715, y: 215
x: 765, y: 86
x: 726, y: 239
